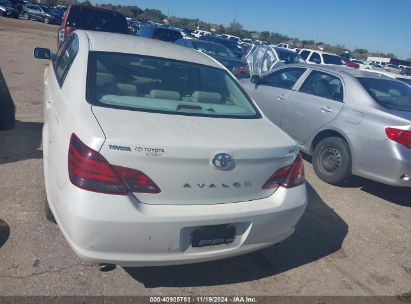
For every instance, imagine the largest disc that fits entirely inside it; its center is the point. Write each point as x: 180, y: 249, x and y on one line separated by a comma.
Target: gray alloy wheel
x: 46, y: 20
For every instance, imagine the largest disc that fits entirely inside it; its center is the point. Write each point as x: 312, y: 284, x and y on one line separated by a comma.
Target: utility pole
x: 235, y: 15
x: 168, y: 12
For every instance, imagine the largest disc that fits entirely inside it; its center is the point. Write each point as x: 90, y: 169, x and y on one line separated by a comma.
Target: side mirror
x: 42, y: 53
x: 256, y: 79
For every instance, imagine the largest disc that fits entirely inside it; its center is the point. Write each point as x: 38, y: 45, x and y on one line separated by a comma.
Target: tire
x: 46, y: 20
x: 332, y: 160
x: 47, y: 212
x: 26, y: 16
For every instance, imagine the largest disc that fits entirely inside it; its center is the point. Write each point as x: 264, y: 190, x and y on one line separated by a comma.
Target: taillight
x: 240, y: 69
x: 89, y: 170
x: 402, y: 137
x: 287, y: 177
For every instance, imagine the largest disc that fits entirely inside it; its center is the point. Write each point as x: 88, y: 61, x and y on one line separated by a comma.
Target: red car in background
x: 350, y: 63
x: 91, y: 18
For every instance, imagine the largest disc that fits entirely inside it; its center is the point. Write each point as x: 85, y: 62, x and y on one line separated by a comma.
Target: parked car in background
x: 159, y: 142
x: 91, y: 18
x: 232, y: 45
x: 36, y: 12
x: 403, y: 78
x: 320, y: 57
x: 19, y: 4
x: 133, y: 26
x: 406, y: 71
x: 199, y: 33
x: 159, y: 33
x: 348, y: 120
x: 232, y: 38
x: 220, y: 53
x: 350, y: 63
x: 262, y: 59
x: 7, y: 9
x: 392, y: 68
x: 57, y: 14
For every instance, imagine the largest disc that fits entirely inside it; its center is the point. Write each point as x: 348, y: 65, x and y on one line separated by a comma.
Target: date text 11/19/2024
x: 203, y: 299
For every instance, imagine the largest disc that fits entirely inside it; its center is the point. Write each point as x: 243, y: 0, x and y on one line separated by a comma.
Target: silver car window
x: 64, y: 58
x: 284, y: 78
x: 323, y: 85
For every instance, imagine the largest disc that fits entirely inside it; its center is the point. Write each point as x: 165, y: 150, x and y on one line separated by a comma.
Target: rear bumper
x: 384, y: 161
x: 119, y: 230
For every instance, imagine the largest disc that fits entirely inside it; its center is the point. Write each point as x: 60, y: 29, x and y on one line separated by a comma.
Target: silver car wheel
x: 330, y: 160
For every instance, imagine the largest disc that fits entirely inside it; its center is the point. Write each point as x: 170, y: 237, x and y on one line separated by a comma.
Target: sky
x: 377, y: 25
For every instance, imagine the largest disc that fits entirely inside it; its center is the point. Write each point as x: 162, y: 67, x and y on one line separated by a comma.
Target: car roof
x: 340, y: 70
x: 121, y: 43
x: 320, y: 52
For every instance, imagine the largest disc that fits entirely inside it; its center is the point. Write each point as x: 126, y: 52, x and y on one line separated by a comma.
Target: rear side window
x: 166, y: 35
x: 97, y: 20
x: 284, y: 78
x: 152, y: 84
x: 332, y: 59
x: 390, y: 94
x: 304, y: 54
x: 64, y: 58
x: 323, y: 85
x: 315, y: 57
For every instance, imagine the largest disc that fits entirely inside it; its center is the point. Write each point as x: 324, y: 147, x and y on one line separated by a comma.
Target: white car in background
x: 155, y: 155
x: 403, y: 78
x: 320, y: 57
x: 200, y: 33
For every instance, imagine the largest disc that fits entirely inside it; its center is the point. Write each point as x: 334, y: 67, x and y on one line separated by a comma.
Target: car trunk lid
x: 178, y: 153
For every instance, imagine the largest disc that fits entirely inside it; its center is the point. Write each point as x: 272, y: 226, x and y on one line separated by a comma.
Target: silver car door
x: 317, y: 102
x: 273, y: 91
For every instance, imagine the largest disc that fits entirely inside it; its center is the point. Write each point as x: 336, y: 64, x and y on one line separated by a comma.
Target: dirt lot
x: 354, y: 240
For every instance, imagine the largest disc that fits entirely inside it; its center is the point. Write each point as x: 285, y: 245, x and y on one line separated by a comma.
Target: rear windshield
x: 390, y: 94
x: 151, y: 84
x: 332, y: 59
x: 97, y: 20
x: 214, y: 49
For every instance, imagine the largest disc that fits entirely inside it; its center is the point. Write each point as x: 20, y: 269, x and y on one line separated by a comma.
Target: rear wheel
x: 47, y: 212
x: 26, y: 16
x: 46, y: 20
x: 332, y: 160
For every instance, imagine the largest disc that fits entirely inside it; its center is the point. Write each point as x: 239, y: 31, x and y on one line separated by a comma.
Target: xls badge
x: 223, y: 161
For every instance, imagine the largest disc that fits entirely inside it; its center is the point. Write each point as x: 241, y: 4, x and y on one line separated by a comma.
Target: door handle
x: 280, y: 97
x: 326, y: 109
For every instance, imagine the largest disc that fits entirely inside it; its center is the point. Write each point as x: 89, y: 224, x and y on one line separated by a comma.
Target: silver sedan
x: 352, y: 122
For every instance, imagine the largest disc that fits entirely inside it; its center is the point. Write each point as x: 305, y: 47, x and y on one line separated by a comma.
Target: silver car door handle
x: 280, y: 97
x: 326, y: 109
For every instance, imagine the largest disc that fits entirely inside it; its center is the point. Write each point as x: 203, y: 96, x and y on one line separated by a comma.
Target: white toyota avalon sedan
x: 154, y: 155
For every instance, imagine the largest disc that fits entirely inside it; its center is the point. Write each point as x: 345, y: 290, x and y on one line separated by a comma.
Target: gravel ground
x: 353, y: 240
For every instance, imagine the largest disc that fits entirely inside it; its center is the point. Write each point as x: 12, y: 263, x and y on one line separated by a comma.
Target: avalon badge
x: 223, y: 161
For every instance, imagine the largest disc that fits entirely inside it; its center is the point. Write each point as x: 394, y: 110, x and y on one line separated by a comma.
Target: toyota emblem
x: 223, y: 161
